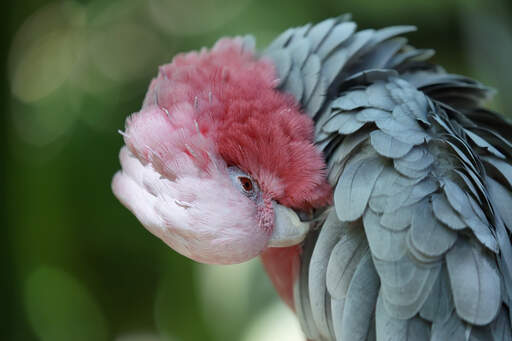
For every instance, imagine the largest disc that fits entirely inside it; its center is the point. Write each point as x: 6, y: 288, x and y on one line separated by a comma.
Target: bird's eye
x: 246, y: 183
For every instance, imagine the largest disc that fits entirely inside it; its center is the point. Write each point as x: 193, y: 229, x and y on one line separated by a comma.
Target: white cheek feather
x: 202, y: 217
x: 140, y: 202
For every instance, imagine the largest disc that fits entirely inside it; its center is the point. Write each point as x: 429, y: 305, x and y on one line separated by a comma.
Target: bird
x: 374, y: 185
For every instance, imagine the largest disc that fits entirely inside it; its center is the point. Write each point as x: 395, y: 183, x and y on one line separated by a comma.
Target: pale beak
x: 289, y: 230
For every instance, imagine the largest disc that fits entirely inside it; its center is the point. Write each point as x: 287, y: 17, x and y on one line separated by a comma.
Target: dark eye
x: 246, y: 183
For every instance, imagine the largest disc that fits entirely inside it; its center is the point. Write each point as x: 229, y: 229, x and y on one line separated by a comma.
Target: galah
x: 374, y: 185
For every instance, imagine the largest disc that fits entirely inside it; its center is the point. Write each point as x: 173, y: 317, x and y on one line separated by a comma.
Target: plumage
x: 501, y: 199
x: 404, y: 285
x: 412, y: 194
x: 390, y: 328
x: 371, y: 115
x: 428, y: 235
x: 337, y: 36
x: 353, y: 192
x: 337, y: 309
x: 301, y: 292
x: 385, y: 244
x: 388, y: 146
x: 476, y: 283
x: 403, y: 179
x: 359, y: 303
x: 343, y: 261
x: 311, y: 73
x: 482, y: 143
x: 445, y: 213
x: 503, y: 168
x: 400, y: 219
x: 283, y: 61
x: 320, y: 31
x: 451, y: 329
x: 500, y: 328
x: 329, y: 235
x: 418, y: 158
x: 349, y: 145
x: 439, y: 304
x: 293, y: 84
x: 410, y: 54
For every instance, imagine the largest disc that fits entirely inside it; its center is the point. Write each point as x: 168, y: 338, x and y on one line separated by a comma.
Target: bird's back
x: 417, y: 245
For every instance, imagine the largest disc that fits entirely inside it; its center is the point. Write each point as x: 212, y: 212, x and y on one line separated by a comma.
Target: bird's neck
x: 282, y: 266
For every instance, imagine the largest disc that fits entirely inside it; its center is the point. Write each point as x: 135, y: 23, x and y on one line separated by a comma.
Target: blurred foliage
x: 77, y: 265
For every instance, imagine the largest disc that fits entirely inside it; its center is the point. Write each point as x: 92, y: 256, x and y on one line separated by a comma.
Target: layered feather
x: 420, y: 171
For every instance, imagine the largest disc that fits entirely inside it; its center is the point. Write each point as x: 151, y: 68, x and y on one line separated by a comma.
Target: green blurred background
x: 76, y: 264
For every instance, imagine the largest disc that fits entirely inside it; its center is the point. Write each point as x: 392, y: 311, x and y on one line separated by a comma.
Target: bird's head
x: 217, y: 159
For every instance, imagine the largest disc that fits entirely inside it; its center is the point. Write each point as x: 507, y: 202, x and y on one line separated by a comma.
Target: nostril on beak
x: 305, y: 217
x: 309, y: 217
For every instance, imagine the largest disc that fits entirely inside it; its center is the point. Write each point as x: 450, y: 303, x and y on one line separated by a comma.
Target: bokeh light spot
x: 44, y: 51
x: 44, y: 66
x: 125, y: 52
x: 194, y: 16
x: 277, y: 322
x: 141, y: 337
x: 224, y: 291
x: 60, y: 308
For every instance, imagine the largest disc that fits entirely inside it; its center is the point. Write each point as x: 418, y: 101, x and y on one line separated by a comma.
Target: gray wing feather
x: 400, y: 219
x: 385, y: 244
x: 439, y: 304
x: 423, y: 180
x: 412, y: 194
x: 418, y: 158
x: 478, y: 295
x: 390, y: 32
x: 428, y: 235
x: 380, y: 97
x: 470, y: 186
x: 282, y: 40
x: 293, y: 84
x: 317, y: 98
x: 500, y: 328
x: 352, y: 100
x: 349, y: 144
x: 380, y: 55
x: 371, y: 115
x: 343, y: 123
x: 387, y: 327
x: 343, y: 261
x: 461, y: 203
x: 503, y: 168
x: 418, y: 329
x: 360, y: 301
x: 355, y: 186
x: 409, y: 54
x: 300, y: 50
x: 249, y: 43
x: 505, y: 260
x: 337, y: 308
x: 388, y: 146
x: 320, y: 31
x: 339, y: 34
x: 452, y: 329
x: 283, y: 63
x: 405, y: 286
x: 482, y: 143
x: 311, y: 73
x: 390, y: 328
x: 328, y: 237
x: 336, y: 60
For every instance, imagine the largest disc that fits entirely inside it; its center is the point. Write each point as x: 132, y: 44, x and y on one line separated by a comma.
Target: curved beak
x: 288, y: 230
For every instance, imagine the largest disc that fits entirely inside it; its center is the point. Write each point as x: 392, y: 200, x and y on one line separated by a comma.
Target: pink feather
x: 224, y: 101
